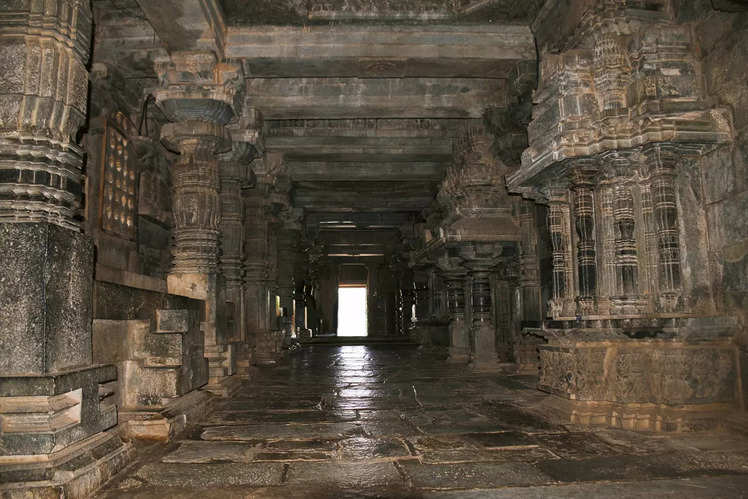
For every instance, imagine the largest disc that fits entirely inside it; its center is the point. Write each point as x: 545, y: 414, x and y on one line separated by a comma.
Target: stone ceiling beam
x: 391, y: 220
x: 351, y: 200
x: 366, y: 171
x: 300, y: 98
x: 359, y: 145
x: 483, y: 51
x: 187, y: 24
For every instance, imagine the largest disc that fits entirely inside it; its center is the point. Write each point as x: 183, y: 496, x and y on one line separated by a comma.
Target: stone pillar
x: 198, y: 96
x: 54, y: 405
x: 559, y: 225
x: 261, y: 266
x: 662, y: 161
x: 459, y: 339
x: 236, y: 178
x: 584, y: 222
x: 531, y: 308
x: 256, y: 294
x: 289, y: 238
x: 484, y: 356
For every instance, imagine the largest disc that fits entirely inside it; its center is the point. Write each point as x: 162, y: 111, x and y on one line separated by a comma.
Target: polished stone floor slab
x: 393, y: 421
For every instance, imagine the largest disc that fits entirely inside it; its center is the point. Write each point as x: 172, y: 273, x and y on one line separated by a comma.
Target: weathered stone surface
x: 45, y: 299
x: 473, y: 475
x: 348, y: 476
x: 212, y: 475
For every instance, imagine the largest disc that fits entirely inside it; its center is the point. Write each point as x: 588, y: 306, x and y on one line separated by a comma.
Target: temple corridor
x: 536, y: 207
x: 391, y: 420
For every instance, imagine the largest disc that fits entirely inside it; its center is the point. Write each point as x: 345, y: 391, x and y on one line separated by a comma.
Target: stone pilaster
x: 199, y: 96
x: 55, y: 406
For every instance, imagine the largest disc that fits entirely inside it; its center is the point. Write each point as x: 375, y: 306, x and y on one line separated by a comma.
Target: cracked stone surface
x: 394, y: 421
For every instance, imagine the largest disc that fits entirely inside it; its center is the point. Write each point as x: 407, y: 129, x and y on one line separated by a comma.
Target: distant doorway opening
x: 352, y: 320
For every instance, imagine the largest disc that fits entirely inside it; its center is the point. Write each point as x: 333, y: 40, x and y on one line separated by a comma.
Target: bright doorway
x: 352, y: 311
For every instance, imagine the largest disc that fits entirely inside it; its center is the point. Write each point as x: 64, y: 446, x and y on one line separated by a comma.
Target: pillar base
x: 268, y: 348
x: 226, y: 387
x: 458, y: 356
x: 639, y: 417
x: 75, y: 472
x: 166, y: 424
x: 655, y: 384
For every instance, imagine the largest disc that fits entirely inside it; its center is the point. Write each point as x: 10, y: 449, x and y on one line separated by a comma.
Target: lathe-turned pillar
x: 198, y: 96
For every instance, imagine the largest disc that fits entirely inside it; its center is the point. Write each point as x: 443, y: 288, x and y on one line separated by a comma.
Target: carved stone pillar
x: 484, y: 355
x: 289, y: 238
x: 198, y: 96
x: 481, y: 259
x: 236, y: 177
x: 584, y: 222
x: 662, y: 161
x: 256, y: 293
x: 54, y: 405
x: 559, y: 224
x: 196, y: 209
x: 459, y: 340
x: 529, y: 278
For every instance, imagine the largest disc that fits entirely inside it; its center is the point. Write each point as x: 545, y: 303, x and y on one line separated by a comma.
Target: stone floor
x: 392, y: 421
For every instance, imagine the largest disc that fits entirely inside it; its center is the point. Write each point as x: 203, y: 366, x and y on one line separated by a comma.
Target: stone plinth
x: 668, y: 382
x: 53, y: 433
x: 158, y: 367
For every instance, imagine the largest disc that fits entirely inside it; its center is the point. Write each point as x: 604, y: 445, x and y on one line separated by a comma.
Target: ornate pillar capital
x: 196, y: 86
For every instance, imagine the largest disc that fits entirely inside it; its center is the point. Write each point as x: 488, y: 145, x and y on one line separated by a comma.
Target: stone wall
x: 723, y: 38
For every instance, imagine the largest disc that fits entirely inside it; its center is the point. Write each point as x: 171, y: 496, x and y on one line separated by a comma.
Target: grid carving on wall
x: 119, y: 180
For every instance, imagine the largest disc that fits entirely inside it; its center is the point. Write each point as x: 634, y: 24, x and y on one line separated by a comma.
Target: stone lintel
x: 300, y: 98
x: 482, y: 51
